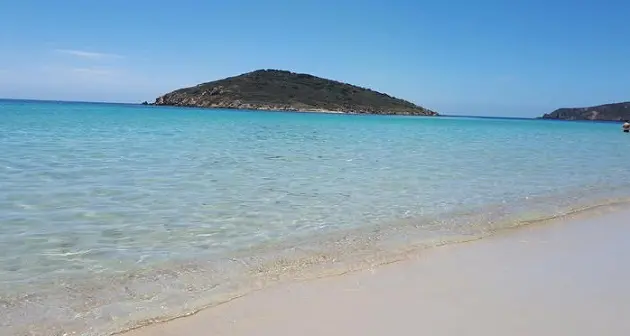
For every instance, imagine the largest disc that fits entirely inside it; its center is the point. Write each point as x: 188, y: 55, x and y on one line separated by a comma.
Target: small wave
x: 111, y: 303
x: 67, y: 254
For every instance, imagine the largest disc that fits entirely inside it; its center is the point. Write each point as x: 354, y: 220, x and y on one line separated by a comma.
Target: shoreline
x: 354, y: 252
x: 280, y: 308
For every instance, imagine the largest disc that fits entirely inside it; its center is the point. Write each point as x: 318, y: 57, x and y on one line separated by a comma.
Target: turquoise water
x: 117, y: 215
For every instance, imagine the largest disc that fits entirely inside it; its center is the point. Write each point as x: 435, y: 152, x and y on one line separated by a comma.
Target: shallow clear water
x: 113, y: 215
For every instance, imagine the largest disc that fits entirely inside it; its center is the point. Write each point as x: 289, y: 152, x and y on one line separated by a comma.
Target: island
x: 607, y: 112
x: 280, y: 90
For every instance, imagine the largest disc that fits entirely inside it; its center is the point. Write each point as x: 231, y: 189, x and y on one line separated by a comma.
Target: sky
x: 484, y: 57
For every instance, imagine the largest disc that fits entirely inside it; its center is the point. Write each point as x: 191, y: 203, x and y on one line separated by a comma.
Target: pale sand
x: 563, y: 278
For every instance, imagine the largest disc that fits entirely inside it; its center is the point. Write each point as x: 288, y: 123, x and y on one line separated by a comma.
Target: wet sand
x: 568, y: 277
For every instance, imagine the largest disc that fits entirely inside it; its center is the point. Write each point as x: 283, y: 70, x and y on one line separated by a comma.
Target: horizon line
x: 140, y: 104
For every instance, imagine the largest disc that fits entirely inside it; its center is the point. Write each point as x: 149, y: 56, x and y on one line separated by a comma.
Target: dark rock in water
x: 287, y: 91
x: 608, y: 112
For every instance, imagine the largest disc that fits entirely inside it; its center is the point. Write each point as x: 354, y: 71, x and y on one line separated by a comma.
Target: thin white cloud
x: 88, y: 54
x: 94, y: 71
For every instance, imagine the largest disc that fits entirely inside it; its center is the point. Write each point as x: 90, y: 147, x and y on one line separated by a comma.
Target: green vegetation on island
x: 288, y: 91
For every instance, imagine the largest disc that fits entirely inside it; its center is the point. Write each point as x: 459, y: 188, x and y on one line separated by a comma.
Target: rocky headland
x: 607, y: 112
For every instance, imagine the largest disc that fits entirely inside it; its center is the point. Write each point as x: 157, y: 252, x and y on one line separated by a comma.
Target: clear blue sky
x: 485, y: 57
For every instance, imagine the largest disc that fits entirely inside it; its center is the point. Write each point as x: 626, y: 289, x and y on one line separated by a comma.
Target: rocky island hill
x: 287, y: 91
x: 608, y: 112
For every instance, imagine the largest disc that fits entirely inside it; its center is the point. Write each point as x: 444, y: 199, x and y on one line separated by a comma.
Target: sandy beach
x: 567, y: 277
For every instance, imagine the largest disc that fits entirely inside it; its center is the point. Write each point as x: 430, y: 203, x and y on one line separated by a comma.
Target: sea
x: 115, y: 216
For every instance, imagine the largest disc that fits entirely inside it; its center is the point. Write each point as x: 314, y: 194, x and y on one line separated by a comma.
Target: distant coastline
x: 608, y: 112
